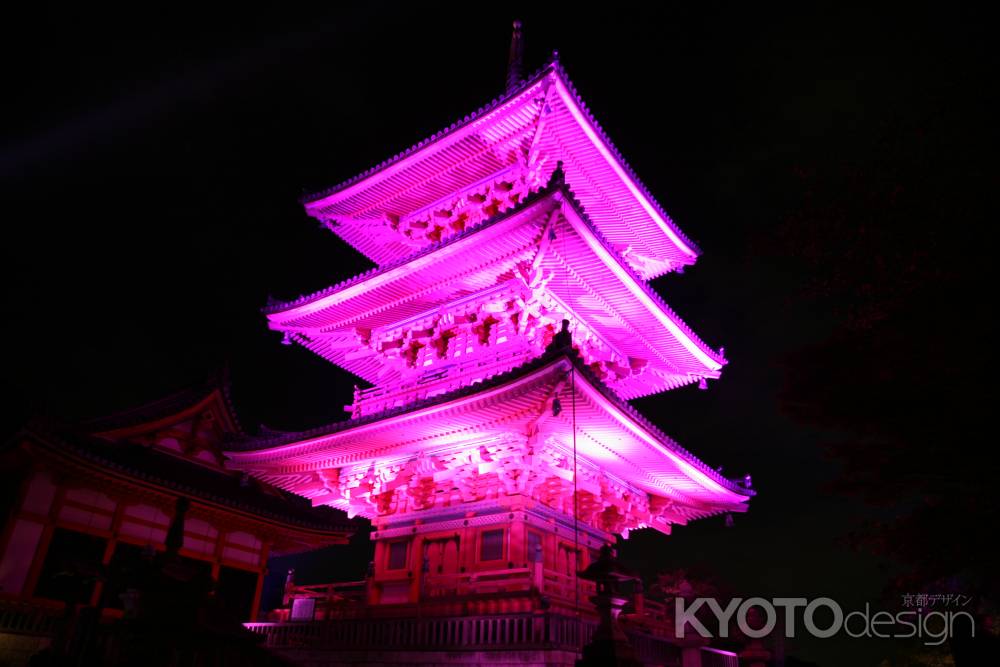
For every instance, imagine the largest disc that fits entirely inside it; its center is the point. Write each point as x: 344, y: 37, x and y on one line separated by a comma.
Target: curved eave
x: 307, y: 303
x: 597, y: 137
x: 713, y: 360
x: 324, y: 439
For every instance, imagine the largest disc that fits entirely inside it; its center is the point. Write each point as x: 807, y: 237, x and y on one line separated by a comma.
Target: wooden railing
x: 554, y: 584
x: 27, y: 619
x: 337, y: 591
x: 476, y: 583
x: 564, y: 586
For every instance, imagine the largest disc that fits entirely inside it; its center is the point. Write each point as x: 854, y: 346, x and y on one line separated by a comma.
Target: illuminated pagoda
x: 506, y: 324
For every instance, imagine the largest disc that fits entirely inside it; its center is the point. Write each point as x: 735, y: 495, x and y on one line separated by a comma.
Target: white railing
x: 463, y: 633
x: 510, y: 631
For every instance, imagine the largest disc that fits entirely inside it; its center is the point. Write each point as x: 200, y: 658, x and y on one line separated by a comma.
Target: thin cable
x: 576, y: 509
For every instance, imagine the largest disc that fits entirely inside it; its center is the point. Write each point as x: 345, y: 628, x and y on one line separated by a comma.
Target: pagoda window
x: 70, y: 563
x: 491, y: 545
x: 450, y: 557
x: 536, y: 553
x: 397, y: 555
x: 441, y: 555
x: 569, y: 559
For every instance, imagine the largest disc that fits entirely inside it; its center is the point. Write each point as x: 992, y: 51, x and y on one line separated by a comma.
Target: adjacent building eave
x: 148, y: 467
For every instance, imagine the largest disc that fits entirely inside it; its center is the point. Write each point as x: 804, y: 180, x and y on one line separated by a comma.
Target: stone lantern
x: 609, y: 645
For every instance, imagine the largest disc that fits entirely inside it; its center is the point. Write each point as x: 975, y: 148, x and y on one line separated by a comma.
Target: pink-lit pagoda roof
x: 540, y: 122
x: 611, y: 435
x: 588, y: 276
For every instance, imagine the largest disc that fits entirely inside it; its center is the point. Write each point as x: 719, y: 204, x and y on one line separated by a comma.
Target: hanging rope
x: 576, y: 507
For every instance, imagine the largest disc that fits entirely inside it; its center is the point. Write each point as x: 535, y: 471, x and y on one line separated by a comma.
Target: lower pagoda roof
x: 610, y: 436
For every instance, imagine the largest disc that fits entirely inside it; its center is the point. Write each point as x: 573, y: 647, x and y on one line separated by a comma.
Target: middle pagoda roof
x: 518, y: 274
x: 412, y: 199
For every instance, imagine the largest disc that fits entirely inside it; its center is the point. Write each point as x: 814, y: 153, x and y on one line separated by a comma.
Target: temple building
x: 507, y: 323
x: 86, y: 505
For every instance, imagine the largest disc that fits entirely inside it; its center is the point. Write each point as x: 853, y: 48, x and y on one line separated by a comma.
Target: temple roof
x: 611, y: 433
x: 150, y: 466
x: 175, y: 444
x: 601, y: 289
x: 215, y: 392
x: 540, y: 122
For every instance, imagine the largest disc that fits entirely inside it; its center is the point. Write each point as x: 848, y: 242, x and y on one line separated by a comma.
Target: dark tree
x: 892, y: 249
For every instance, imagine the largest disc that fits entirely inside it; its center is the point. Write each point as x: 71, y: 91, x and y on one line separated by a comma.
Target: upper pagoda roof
x: 612, y: 435
x: 538, y: 123
x: 602, y: 291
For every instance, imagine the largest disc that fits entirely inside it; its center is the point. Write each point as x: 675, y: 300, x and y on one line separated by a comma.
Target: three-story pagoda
x: 507, y: 323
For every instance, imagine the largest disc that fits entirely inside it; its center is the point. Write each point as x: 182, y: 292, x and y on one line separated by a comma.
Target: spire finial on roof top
x: 515, y: 61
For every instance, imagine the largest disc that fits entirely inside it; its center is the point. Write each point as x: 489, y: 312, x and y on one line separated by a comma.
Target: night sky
x: 152, y: 163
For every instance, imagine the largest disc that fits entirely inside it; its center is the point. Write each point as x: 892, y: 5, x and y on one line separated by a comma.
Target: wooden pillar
x: 467, y: 550
x: 43, y: 544
x: 255, y: 607
x: 416, y: 567
x: 517, y: 543
x: 22, y: 493
x: 109, y: 550
x: 378, y: 570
